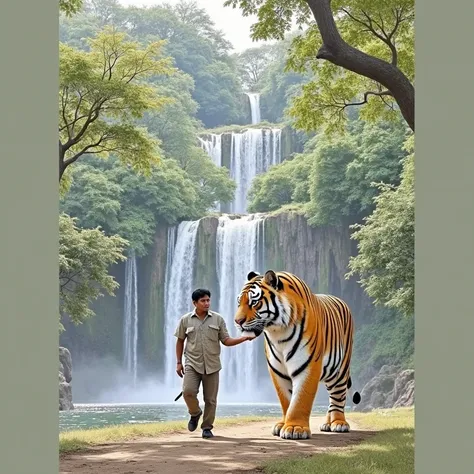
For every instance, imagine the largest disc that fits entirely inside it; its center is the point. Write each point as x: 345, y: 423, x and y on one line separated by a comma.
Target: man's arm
x: 234, y: 341
x: 180, y: 334
x: 179, y: 356
x: 230, y: 341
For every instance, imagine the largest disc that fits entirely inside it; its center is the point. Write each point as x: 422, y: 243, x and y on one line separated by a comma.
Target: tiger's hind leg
x: 335, y: 418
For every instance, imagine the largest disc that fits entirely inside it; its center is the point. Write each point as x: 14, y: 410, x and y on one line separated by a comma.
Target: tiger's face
x: 259, y: 304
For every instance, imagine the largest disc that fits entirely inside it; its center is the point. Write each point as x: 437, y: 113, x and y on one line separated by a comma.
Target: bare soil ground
x: 234, y: 449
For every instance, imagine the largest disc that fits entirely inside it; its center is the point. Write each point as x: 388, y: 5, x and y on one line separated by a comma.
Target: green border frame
x: 444, y: 234
x: 29, y: 237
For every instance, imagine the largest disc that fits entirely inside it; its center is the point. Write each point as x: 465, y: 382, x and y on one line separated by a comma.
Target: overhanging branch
x: 338, y: 52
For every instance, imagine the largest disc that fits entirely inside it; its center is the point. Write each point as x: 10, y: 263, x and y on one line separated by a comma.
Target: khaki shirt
x: 202, y: 350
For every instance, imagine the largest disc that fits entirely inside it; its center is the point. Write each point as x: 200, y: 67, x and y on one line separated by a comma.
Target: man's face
x: 203, y: 304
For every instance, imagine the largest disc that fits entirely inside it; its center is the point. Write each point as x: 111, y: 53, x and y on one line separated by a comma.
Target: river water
x: 86, y: 416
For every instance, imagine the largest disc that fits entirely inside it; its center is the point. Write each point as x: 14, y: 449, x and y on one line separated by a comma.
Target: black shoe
x: 207, y: 433
x: 193, y: 422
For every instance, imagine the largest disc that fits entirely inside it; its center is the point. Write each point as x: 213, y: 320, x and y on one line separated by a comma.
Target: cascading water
x: 238, y: 250
x: 254, y: 100
x: 130, y: 320
x: 179, y: 286
x: 213, y: 147
x: 252, y: 152
x: 237, y: 253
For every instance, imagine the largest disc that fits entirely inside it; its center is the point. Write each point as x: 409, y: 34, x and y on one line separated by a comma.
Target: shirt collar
x: 209, y: 313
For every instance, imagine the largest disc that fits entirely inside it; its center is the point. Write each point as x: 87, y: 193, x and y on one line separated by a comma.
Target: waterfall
x: 130, y: 320
x: 179, y: 286
x: 237, y: 253
x: 238, y: 250
x: 252, y: 152
x: 254, y: 100
x: 213, y: 147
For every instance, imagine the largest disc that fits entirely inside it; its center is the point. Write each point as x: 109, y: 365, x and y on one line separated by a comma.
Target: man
x: 203, y: 330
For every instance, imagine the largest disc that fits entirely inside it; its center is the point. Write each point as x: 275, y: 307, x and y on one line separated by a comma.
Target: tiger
x: 308, y: 339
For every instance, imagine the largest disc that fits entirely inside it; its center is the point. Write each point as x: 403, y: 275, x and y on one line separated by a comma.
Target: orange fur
x: 308, y: 339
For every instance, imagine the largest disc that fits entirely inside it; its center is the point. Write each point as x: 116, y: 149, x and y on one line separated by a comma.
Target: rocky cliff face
x: 318, y: 255
x: 65, y: 378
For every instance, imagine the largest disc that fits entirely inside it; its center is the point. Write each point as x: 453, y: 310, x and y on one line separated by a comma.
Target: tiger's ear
x: 271, y: 279
x: 252, y: 275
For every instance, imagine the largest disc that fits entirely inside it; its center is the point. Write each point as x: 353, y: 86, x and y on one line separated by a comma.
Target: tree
x: 367, y: 46
x: 278, y: 85
x: 84, y: 259
x: 70, y: 7
x: 105, y: 194
x: 333, y: 177
x: 286, y: 183
x: 386, y: 244
x: 253, y: 62
x: 102, y: 94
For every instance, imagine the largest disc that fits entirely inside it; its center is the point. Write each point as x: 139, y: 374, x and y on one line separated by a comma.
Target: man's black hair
x: 200, y: 293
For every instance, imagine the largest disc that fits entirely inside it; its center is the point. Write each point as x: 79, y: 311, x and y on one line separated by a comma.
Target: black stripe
x: 339, y: 400
x: 303, y: 366
x: 342, y: 375
x: 277, y: 311
x: 271, y: 348
x: 292, y: 286
x: 285, y: 377
x: 290, y: 337
x: 298, y: 339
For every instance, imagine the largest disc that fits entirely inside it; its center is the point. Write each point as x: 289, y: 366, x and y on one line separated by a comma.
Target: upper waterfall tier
x: 246, y: 154
x: 254, y: 99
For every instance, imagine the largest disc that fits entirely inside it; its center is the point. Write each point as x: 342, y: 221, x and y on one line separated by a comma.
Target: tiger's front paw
x: 295, y: 431
x: 277, y: 428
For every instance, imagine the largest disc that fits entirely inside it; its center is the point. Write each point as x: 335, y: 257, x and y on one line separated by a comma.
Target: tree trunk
x: 338, y: 52
x: 62, y: 166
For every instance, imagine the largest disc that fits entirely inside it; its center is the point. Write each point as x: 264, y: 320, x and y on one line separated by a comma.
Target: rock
x: 390, y: 388
x: 406, y: 397
x: 65, y: 378
x: 66, y: 361
x: 65, y: 397
x: 401, y: 383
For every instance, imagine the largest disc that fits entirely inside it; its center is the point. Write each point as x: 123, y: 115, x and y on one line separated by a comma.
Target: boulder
x: 65, y: 378
x: 392, y: 387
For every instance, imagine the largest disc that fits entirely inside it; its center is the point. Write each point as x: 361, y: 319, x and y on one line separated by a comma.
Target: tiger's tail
x: 356, y: 398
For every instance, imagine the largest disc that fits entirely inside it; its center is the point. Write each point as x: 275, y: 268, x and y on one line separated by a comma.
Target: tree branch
x: 338, y: 52
x: 386, y: 38
x: 75, y: 157
x: 366, y: 97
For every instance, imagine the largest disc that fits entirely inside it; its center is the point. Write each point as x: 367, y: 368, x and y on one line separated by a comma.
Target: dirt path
x: 232, y: 450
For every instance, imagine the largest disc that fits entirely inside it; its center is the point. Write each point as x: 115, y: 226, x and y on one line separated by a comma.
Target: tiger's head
x: 262, y: 303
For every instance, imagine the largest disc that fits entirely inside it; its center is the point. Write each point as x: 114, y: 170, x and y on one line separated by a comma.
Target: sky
x: 230, y: 20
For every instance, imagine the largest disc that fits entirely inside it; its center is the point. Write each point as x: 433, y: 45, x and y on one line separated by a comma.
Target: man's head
x: 201, y: 299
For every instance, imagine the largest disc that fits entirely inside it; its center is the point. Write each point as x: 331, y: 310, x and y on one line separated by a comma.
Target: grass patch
x: 81, y: 440
x: 392, y: 450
